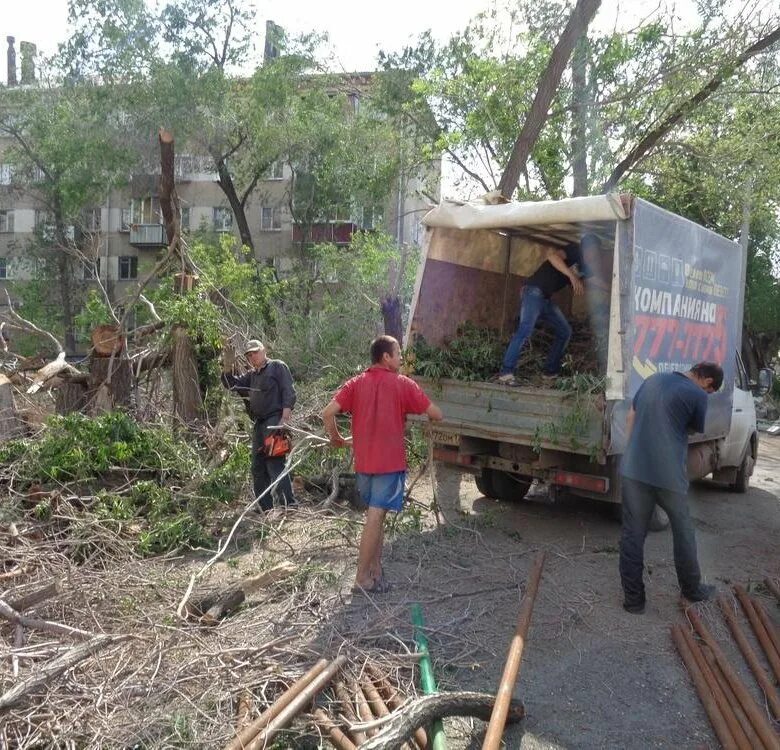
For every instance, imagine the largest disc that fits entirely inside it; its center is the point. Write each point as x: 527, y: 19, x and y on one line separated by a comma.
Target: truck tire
x: 503, y: 485
x: 742, y: 482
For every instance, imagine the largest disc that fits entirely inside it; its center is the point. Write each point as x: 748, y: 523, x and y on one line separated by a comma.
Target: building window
x: 6, y: 221
x: 6, y: 174
x: 275, y: 171
x: 92, y: 220
x: 270, y: 219
x: 91, y: 269
x: 128, y: 267
x: 143, y: 211
x: 223, y: 219
x: 3, y: 268
x: 185, y: 218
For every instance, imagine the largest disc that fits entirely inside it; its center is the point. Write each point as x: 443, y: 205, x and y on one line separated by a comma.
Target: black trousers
x: 266, y: 470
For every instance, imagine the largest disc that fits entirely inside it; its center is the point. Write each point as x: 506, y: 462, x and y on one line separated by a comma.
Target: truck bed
x: 539, y: 417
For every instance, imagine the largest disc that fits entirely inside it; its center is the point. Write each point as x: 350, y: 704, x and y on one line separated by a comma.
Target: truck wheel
x: 742, y: 482
x: 484, y: 483
x: 504, y: 485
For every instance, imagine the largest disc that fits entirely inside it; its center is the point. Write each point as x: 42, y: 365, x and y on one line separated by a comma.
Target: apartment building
x: 120, y: 240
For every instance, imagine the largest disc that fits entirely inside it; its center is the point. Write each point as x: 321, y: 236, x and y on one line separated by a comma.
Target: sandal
x: 380, y: 587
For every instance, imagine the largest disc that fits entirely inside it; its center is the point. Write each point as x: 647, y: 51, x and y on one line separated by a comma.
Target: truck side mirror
x: 765, y: 378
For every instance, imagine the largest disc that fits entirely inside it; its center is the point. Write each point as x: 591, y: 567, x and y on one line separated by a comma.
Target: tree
x: 66, y: 150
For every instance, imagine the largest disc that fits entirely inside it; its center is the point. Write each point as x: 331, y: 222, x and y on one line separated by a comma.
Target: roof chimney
x: 11, y: 61
x: 28, y: 51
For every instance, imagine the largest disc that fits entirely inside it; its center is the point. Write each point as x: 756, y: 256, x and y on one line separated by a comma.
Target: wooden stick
x: 395, y: 699
x: 751, y: 739
x: 757, y: 716
x: 773, y: 587
x: 244, y: 710
x: 336, y: 736
x: 703, y: 689
x: 301, y: 701
x: 245, y: 736
x: 758, y: 629
x: 750, y: 657
x: 55, y: 667
x: 722, y: 702
x: 348, y: 707
x: 363, y: 709
x: 769, y: 626
x: 33, y: 622
x: 506, y: 687
x: 36, y: 597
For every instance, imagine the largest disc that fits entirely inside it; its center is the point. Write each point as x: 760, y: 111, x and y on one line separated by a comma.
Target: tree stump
x: 104, y: 394
x: 70, y: 397
x: 187, y: 399
x: 107, y: 340
x: 10, y: 425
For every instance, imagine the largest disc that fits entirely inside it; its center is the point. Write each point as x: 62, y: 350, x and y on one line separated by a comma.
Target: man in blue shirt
x: 666, y: 408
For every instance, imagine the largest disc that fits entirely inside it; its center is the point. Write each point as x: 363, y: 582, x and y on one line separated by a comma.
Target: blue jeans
x: 639, y: 500
x: 535, y: 306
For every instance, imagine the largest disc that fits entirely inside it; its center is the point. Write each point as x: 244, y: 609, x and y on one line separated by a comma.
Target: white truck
x: 674, y: 296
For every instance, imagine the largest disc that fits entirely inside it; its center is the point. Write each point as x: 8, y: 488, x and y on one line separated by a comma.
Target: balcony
x: 148, y: 236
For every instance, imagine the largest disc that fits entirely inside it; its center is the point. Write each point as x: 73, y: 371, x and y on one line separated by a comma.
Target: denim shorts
x: 384, y: 491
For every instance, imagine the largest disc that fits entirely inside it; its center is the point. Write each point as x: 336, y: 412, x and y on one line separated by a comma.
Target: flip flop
x: 380, y: 587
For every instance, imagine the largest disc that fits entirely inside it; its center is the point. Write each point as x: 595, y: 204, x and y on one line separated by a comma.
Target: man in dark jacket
x: 665, y: 410
x: 270, y: 396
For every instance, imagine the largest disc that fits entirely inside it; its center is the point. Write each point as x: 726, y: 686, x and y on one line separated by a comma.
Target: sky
x: 357, y: 30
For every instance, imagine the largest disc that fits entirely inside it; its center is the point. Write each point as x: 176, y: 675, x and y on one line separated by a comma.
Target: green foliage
x: 77, y: 448
x: 225, y: 482
x: 472, y: 355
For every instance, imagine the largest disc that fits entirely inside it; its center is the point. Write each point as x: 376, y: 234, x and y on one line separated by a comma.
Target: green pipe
x: 427, y: 680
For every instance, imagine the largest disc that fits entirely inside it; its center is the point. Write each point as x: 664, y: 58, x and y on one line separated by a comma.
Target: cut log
x: 54, y: 668
x: 423, y: 710
x: 107, y: 340
x: 185, y: 282
x: 213, y: 607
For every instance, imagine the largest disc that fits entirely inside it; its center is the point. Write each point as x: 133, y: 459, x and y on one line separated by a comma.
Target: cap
x: 253, y: 345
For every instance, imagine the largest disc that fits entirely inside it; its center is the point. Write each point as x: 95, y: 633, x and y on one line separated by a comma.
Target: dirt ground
x: 593, y: 676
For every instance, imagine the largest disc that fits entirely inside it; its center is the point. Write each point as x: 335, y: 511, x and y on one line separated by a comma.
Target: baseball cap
x: 253, y: 345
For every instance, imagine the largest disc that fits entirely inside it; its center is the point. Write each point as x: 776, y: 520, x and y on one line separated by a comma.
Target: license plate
x: 444, y: 438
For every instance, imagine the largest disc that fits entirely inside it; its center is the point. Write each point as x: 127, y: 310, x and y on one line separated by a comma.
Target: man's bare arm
x: 557, y: 259
x: 434, y: 413
x: 331, y: 428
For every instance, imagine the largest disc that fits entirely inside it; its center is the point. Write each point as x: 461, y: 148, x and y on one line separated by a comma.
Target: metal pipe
x: 301, y: 701
x: 757, y: 716
x: 506, y: 687
x: 349, y: 709
x: 758, y: 629
x: 336, y: 736
x: 703, y: 689
x: 427, y: 679
x: 395, y: 699
x: 246, y: 735
x: 722, y: 702
x: 746, y: 729
x: 750, y: 657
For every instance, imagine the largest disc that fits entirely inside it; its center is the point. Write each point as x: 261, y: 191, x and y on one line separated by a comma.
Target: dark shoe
x: 635, y: 607
x: 704, y: 593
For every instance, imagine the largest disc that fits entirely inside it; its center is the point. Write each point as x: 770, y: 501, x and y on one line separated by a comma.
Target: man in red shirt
x: 378, y: 400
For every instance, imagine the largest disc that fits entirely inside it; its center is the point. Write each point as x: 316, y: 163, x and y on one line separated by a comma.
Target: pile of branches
x: 475, y: 354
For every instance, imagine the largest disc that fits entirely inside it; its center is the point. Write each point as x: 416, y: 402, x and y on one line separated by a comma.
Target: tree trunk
x: 579, y: 127
x: 225, y: 182
x: 548, y: 84
x: 685, y: 108
x: 10, y: 426
x: 169, y: 200
x: 108, y: 388
x: 187, y: 399
x: 70, y: 397
x: 391, y: 314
